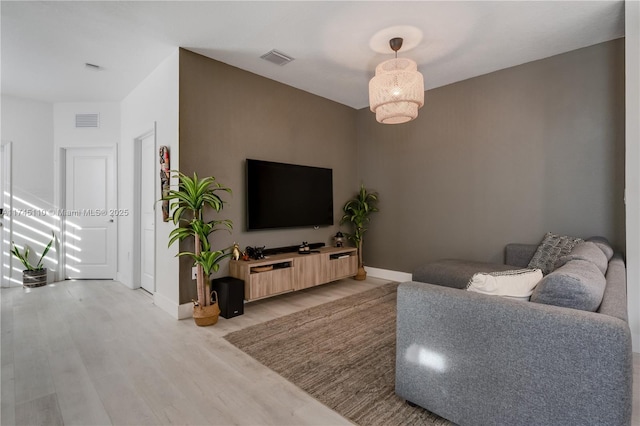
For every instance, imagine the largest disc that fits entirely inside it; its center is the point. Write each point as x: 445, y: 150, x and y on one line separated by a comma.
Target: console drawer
x: 269, y: 283
x: 342, y: 267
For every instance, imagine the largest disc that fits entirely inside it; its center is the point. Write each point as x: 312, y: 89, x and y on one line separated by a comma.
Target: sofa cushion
x: 578, y: 284
x: 604, y: 245
x: 588, y: 251
x: 551, y: 248
x: 516, y: 284
x: 454, y: 273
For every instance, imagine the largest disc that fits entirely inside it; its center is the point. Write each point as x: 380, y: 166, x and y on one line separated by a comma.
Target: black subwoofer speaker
x: 230, y: 296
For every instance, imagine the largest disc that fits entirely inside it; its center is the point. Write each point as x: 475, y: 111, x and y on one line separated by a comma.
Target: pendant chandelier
x: 397, y: 90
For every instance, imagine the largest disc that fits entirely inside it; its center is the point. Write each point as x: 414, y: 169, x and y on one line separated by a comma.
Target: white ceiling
x: 336, y: 44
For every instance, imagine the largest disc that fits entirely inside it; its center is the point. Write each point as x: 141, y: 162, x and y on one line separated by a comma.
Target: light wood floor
x: 95, y: 352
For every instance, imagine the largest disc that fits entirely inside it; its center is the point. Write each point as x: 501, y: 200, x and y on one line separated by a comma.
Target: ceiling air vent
x: 277, y: 58
x: 87, y: 120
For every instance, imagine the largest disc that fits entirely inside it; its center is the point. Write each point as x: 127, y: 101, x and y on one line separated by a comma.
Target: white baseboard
x: 387, y: 274
x: 167, y: 305
x: 122, y: 279
x: 178, y: 312
x: 185, y: 310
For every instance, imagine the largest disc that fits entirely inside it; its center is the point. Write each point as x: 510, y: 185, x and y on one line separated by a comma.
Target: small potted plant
x: 188, y: 203
x: 357, y: 212
x: 32, y: 276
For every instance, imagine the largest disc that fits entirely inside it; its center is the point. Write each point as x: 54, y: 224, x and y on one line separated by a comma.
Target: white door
x: 148, y: 160
x: 91, y: 214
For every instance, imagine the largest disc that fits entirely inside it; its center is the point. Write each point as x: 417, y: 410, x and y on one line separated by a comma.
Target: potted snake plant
x: 34, y: 275
x: 357, y: 211
x: 189, y: 202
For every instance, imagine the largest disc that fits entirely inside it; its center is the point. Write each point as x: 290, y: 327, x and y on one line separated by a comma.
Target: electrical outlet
x: 194, y: 272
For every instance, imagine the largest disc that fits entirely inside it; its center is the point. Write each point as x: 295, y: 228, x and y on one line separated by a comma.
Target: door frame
x: 60, y: 199
x: 137, y: 207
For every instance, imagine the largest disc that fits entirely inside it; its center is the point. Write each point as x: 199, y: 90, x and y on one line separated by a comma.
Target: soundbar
x: 289, y: 249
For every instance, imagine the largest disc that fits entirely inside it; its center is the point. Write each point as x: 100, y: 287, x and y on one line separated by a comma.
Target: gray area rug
x: 343, y: 354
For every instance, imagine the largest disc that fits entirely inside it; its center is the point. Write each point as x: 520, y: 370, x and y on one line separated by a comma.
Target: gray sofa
x: 478, y: 360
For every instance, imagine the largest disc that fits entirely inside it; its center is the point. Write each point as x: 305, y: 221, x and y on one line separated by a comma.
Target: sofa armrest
x: 484, y: 360
x: 519, y: 254
x: 614, y: 300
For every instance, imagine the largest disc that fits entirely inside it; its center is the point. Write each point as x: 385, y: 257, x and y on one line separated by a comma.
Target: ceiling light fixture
x: 397, y: 90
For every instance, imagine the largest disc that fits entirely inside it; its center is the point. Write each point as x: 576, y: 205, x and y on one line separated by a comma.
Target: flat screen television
x: 283, y: 195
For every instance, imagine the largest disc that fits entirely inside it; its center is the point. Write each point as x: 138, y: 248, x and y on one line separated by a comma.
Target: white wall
x: 154, y: 101
x: 632, y: 58
x: 67, y: 135
x: 28, y: 126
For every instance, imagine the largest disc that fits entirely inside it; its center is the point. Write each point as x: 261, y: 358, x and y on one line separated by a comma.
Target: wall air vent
x: 87, y: 120
x: 277, y: 58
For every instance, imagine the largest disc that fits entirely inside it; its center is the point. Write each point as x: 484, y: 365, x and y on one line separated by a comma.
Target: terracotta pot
x: 206, y: 315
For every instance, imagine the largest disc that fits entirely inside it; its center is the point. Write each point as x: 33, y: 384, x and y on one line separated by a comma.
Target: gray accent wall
x: 504, y: 157
x: 228, y: 115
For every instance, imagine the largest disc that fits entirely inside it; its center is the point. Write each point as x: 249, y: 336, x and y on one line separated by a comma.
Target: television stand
x: 287, y: 272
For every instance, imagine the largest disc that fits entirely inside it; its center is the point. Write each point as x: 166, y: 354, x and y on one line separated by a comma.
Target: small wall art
x: 165, y: 176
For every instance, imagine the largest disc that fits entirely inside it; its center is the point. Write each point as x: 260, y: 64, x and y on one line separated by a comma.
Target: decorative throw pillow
x: 604, y: 245
x: 516, y: 284
x: 588, y: 251
x: 578, y: 284
x: 551, y: 248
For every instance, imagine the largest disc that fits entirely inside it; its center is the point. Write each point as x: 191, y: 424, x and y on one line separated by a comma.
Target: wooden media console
x: 286, y: 272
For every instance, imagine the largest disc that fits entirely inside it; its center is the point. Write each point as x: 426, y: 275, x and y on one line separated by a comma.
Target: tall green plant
x: 189, y: 202
x: 24, y: 257
x: 357, y: 212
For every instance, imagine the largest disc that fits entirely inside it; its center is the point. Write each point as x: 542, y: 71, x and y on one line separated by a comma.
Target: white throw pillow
x: 516, y: 284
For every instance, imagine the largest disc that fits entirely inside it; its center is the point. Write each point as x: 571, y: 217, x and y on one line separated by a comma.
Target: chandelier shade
x: 396, y: 91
